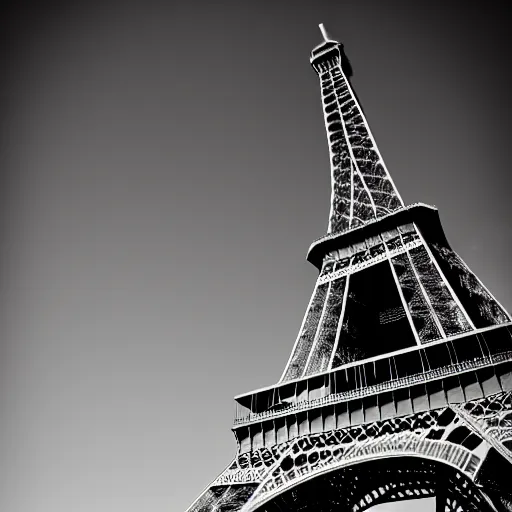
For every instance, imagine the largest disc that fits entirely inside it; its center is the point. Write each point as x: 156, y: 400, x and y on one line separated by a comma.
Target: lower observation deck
x: 450, y: 371
x: 424, y: 215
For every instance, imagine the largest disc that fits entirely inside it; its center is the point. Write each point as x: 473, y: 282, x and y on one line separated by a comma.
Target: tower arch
x: 359, y: 487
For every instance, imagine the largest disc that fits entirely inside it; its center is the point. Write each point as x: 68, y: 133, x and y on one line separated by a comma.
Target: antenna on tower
x: 324, y: 32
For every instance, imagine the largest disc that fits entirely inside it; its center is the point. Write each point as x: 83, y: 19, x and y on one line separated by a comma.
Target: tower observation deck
x: 402, y: 368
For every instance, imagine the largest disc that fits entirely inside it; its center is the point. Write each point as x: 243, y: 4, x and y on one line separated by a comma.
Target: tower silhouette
x: 399, y: 385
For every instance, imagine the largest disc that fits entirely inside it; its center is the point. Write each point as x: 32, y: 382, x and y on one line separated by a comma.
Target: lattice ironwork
x: 399, y: 385
x: 358, y: 488
x: 493, y: 416
x: 425, y: 434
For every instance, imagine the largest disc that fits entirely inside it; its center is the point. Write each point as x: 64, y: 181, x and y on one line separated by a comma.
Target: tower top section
x: 327, y: 51
x: 362, y: 189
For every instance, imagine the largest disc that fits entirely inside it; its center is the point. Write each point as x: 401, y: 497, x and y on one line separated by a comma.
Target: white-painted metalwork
x: 430, y: 415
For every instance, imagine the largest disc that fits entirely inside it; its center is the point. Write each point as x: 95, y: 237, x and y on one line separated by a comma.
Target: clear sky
x: 164, y: 170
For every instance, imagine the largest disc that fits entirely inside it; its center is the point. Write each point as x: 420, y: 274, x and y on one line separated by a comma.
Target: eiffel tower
x: 399, y: 385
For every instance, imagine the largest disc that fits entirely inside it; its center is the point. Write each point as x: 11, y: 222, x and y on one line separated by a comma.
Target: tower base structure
x: 429, y: 419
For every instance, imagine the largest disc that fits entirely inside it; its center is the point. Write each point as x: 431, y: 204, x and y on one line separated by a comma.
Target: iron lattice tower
x: 399, y: 385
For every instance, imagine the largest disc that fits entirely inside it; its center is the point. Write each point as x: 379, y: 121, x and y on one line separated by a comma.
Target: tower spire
x: 362, y: 189
x: 324, y: 32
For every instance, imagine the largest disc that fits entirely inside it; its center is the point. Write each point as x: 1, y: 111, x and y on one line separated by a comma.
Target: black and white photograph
x: 254, y: 256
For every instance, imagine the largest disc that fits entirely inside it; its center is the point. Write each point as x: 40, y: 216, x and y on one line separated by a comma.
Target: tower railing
x: 404, y: 382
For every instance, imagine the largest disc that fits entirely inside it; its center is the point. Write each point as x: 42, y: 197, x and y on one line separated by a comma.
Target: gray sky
x: 164, y: 170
